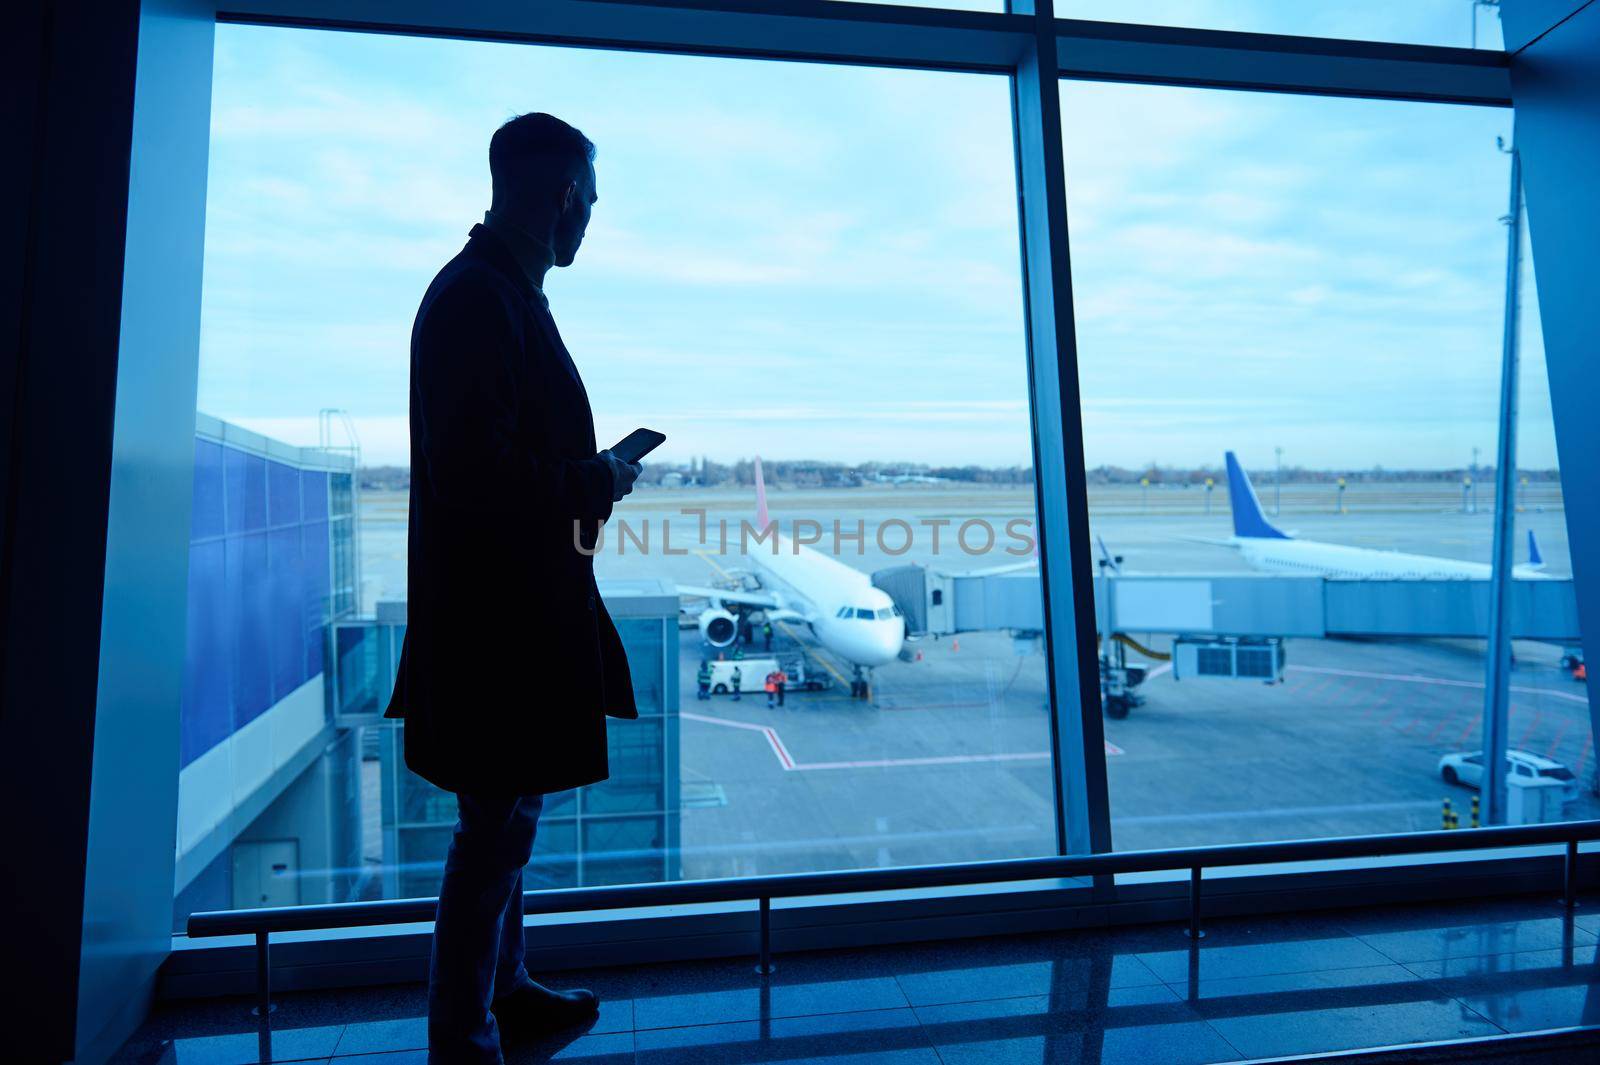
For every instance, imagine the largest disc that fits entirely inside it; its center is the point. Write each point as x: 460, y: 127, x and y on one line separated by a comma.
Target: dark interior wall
x: 69, y: 80
x: 1526, y: 20
x: 99, y: 307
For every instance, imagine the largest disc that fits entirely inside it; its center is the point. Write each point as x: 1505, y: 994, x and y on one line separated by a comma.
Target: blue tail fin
x: 1248, y: 521
x: 1535, y: 560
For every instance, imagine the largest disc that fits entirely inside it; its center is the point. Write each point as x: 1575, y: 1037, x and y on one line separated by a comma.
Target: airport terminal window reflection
x: 1289, y: 314
x: 807, y: 277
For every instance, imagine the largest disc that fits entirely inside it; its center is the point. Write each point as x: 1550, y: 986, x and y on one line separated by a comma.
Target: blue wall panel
x: 314, y: 540
x: 313, y: 495
x: 207, y: 521
x: 285, y: 584
x: 283, y: 494
x: 234, y: 487
x: 258, y: 593
x: 248, y: 624
x: 207, y: 715
x: 255, y: 493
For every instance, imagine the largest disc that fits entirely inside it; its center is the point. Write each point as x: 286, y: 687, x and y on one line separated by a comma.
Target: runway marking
x: 786, y: 760
x: 773, y: 739
x: 1417, y: 678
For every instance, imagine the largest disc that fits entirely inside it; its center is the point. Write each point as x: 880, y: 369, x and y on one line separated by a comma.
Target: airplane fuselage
x: 850, y: 616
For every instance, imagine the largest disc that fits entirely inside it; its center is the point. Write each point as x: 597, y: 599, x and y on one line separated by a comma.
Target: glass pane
x: 1454, y: 23
x: 815, y: 265
x: 1293, y: 644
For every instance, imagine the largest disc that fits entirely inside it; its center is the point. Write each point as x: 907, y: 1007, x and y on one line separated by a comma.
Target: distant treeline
x: 1301, y: 475
x: 803, y: 473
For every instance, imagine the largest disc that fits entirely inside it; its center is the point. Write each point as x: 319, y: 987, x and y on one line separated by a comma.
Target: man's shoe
x: 534, y: 1010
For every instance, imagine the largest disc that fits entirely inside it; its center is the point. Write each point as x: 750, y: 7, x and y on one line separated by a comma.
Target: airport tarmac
x: 950, y: 760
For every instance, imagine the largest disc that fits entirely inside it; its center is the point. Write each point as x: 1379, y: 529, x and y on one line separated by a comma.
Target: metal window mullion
x: 927, y: 38
x: 1083, y: 823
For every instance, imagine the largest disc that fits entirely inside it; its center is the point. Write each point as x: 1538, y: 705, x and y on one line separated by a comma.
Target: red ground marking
x: 1561, y: 734
x: 1466, y: 733
x: 1440, y: 727
x: 1533, y: 724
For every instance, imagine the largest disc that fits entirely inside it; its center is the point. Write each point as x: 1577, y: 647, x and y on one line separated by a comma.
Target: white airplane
x: 1265, y: 547
x: 850, y: 617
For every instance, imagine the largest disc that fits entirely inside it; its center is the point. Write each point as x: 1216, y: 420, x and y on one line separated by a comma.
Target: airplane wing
x: 732, y: 595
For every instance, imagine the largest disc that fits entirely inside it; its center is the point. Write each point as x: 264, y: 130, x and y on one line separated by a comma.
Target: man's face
x: 577, y: 202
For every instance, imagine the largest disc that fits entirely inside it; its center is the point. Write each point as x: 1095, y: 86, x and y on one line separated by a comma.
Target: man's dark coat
x: 510, y: 663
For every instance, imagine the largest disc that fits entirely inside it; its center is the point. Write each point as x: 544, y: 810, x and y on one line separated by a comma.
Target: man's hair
x: 534, y: 153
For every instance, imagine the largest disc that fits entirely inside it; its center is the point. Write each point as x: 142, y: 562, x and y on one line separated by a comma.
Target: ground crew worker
x: 782, y: 678
x: 704, y: 680
x: 738, y: 652
x: 772, y: 688
x: 766, y: 633
x: 738, y: 677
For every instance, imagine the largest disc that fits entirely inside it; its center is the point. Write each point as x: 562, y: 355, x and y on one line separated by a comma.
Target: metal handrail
x: 763, y: 889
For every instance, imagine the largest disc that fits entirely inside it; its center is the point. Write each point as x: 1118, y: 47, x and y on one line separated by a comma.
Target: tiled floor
x: 1254, y: 988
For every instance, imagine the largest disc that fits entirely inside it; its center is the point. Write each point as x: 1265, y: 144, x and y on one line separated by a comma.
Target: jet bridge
x: 1247, y: 605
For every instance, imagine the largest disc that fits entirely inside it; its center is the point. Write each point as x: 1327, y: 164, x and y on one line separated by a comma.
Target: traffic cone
x: 955, y: 645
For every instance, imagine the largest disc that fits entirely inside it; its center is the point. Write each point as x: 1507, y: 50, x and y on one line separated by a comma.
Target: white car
x: 1467, y: 768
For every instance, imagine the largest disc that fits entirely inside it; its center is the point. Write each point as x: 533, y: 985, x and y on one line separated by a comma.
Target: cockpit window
x: 884, y: 613
x: 864, y: 613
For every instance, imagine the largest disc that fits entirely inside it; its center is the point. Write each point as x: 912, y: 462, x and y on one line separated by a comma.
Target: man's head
x: 543, y: 173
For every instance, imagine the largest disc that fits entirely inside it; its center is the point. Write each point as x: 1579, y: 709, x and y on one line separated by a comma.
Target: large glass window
x: 1289, y: 318
x: 803, y: 270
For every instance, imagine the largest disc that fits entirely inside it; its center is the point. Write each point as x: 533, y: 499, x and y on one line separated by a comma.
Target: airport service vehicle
x: 849, y: 616
x: 1466, y: 768
x: 1265, y: 547
x: 753, y: 674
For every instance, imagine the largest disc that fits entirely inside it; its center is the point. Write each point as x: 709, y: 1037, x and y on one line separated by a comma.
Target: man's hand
x: 623, y: 474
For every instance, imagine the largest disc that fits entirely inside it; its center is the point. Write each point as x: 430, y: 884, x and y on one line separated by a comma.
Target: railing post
x: 263, y: 1004
x: 764, y: 967
x: 1569, y: 878
x: 1194, y: 931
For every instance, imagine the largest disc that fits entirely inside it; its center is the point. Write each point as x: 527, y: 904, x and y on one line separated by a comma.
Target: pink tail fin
x: 761, y: 499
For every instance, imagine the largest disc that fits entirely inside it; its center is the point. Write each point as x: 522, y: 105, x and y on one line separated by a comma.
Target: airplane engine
x: 718, y: 627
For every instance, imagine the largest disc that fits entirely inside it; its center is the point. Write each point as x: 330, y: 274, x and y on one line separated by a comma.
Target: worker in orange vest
x: 772, y: 688
x: 782, y: 679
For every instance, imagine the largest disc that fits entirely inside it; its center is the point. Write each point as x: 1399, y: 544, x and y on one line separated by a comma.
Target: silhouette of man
x: 510, y: 663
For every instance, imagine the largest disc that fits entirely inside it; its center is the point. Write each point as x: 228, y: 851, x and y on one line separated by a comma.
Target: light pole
x: 1277, y: 482
x: 1473, y: 509
x: 1475, y: 5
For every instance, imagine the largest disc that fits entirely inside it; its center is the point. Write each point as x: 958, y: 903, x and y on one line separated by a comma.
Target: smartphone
x: 637, y: 444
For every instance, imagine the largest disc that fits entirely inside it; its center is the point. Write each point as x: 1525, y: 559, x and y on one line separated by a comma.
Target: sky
x: 807, y: 261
